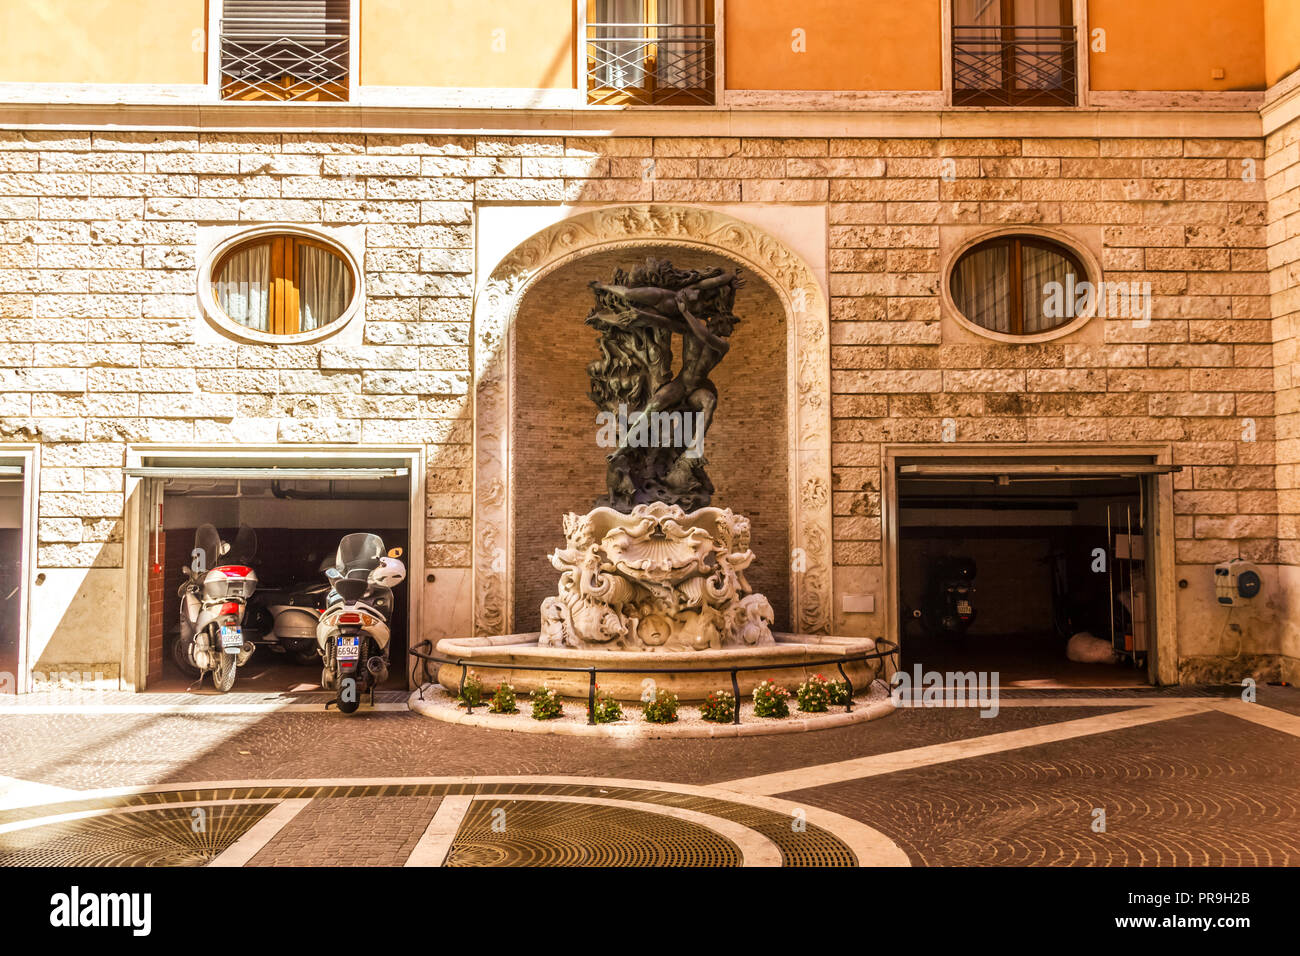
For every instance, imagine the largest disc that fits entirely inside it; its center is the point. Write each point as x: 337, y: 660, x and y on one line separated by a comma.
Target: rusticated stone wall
x: 98, y: 317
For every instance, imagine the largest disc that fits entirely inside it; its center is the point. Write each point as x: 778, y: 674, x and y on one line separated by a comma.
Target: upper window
x: 1017, y: 285
x: 285, y: 49
x: 282, y: 284
x: 650, y: 52
x: 1013, y: 53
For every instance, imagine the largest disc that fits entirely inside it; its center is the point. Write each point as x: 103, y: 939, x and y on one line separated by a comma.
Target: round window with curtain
x: 1017, y: 285
x: 282, y: 284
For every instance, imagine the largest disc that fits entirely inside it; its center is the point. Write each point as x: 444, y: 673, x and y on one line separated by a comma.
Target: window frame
x: 215, y: 81
x: 1074, y: 64
x: 237, y: 240
x: 1080, y: 255
x: 648, y: 96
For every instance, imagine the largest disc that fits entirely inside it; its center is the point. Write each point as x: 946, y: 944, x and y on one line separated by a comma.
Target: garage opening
x: 12, y: 509
x: 1038, y: 572
x: 286, y: 523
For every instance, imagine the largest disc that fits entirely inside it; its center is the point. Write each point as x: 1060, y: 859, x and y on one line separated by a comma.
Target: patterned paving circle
x: 171, y: 836
x: 505, y: 832
x: 576, y: 826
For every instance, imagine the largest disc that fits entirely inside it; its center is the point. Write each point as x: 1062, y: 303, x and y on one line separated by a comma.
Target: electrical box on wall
x: 1236, y: 581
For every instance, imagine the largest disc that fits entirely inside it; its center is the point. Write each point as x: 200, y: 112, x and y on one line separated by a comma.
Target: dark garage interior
x: 298, y: 524
x: 1051, y: 558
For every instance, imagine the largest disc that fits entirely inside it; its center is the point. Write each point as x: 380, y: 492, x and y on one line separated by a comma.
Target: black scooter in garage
x: 948, y: 601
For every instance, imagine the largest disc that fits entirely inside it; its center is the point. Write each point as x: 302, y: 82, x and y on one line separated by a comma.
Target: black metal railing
x: 1014, y: 66
x: 650, y: 64
x: 284, y: 59
x: 427, y: 658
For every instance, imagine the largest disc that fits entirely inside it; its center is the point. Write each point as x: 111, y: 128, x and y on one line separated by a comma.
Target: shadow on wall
x: 560, y: 467
x: 78, y: 619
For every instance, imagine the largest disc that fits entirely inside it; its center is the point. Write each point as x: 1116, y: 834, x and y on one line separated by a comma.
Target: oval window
x: 282, y: 284
x: 1017, y: 285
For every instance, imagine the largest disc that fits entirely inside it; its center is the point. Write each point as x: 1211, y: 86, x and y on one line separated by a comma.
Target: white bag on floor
x: 1089, y: 649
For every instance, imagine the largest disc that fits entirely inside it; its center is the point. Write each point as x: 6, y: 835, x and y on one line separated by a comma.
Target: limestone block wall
x: 99, y: 345
x: 1283, y: 186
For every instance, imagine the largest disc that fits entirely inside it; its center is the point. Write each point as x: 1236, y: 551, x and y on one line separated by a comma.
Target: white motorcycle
x: 218, y: 583
x: 353, y: 633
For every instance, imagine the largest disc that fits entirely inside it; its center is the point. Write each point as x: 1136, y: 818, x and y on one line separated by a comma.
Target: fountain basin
x: 489, y: 658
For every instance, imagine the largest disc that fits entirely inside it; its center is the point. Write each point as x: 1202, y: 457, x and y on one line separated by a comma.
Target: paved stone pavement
x: 1182, y: 776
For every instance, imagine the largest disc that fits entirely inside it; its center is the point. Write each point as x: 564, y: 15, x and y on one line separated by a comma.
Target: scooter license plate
x: 231, y: 636
x: 349, y: 648
x: 963, y: 608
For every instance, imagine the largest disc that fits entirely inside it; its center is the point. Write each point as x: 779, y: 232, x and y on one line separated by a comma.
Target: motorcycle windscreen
x: 359, y: 552
x: 207, y: 550
x: 244, y: 550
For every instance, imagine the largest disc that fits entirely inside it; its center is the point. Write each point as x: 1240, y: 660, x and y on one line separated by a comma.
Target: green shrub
x: 662, y: 708
x: 471, y: 693
x: 813, y: 695
x: 503, y: 701
x: 607, y: 708
x: 719, y: 707
x: 546, y: 703
x: 839, y: 693
x: 770, y: 700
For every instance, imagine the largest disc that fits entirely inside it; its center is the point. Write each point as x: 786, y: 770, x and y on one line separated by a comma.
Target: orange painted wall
x: 1175, y: 44
x: 451, y: 43
x: 102, y: 41
x: 1281, y: 38
x: 851, y: 45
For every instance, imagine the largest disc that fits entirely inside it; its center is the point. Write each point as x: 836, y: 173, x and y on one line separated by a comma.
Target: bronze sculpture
x: 662, y: 417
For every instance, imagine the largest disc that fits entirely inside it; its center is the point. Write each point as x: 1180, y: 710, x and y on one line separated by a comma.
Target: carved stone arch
x: 807, y: 383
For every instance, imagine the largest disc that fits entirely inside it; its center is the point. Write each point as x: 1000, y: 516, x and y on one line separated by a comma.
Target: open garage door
x: 299, y: 507
x: 13, y: 511
x: 1038, y: 569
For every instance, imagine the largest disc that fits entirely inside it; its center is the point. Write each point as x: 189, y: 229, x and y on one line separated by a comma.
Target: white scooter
x: 218, y: 583
x: 353, y: 633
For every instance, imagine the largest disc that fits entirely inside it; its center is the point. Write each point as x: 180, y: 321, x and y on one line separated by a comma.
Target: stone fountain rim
x: 525, y: 645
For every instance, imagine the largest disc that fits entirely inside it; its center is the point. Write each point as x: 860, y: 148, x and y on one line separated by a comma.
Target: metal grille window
x: 650, y: 52
x: 1014, y: 53
x: 285, y: 49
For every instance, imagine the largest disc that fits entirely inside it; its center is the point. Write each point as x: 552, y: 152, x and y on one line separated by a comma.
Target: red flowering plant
x: 719, y: 707
x: 770, y: 699
x: 607, y: 709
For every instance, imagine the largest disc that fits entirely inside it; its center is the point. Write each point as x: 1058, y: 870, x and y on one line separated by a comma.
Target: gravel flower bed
x: 441, y: 705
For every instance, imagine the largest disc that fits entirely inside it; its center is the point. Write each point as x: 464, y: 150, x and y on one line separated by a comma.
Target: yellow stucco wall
x: 851, y: 45
x: 1281, y: 38
x: 1175, y: 44
x: 102, y: 41
x: 454, y: 43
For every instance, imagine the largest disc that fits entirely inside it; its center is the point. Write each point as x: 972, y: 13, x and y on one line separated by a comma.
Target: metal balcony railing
x: 650, y: 64
x: 282, y: 59
x: 1014, y: 66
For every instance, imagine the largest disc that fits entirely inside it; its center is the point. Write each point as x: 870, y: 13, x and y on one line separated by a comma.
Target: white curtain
x: 683, y: 61
x: 1038, y: 60
x: 324, y: 287
x: 1039, y: 268
x: 981, y: 288
x: 620, y: 53
x: 244, y: 285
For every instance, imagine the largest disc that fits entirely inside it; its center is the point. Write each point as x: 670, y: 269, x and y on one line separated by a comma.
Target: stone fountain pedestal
x: 657, y: 588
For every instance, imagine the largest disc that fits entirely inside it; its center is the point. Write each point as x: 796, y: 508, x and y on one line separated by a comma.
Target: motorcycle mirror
x: 394, y: 552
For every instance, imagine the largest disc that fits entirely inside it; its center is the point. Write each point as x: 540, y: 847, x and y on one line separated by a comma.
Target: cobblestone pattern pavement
x: 348, y: 831
x: 1202, y: 790
x: 85, y: 751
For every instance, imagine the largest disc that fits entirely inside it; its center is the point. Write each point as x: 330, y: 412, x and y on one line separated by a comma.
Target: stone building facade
x: 106, y: 353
